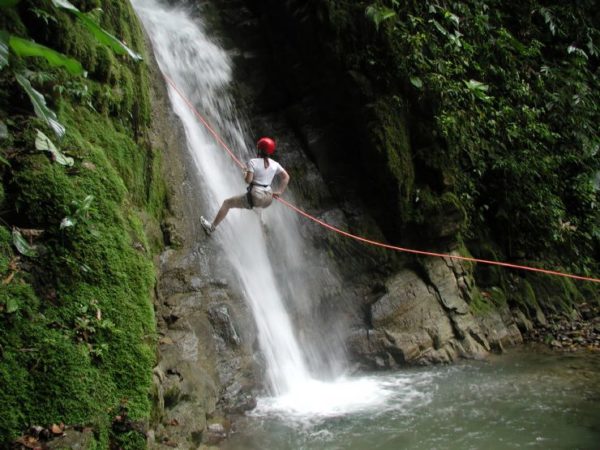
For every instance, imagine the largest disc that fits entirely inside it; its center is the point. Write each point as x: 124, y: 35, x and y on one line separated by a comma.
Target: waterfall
x: 203, y: 72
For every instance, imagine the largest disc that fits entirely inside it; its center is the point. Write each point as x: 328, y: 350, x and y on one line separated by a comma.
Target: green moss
x: 439, y: 215
x: 560, y: 294
x: 391, y: 140
x: 480, y: 304
x: 525, y: 297
x: 81, y: 341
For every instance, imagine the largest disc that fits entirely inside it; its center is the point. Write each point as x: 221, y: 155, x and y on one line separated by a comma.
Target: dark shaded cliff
x: 443, y: 122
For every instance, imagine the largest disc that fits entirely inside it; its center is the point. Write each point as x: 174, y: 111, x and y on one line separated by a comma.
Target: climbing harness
x: 249, y: 196
x: 360, y: 238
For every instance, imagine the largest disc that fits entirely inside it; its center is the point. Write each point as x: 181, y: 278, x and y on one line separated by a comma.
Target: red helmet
x: 266, y: 145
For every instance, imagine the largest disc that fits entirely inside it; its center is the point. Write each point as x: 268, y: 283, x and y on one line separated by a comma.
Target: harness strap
x: 249, y: 195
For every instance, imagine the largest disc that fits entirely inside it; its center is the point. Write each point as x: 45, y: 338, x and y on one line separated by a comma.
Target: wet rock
x: 73, y: 440
x: 414, y: 325
x: 368, y: 350
x: 214, y: 434
x: 522, y: 322
x: 221, y: 320
x: 443, y: 278
x: 498, y: 331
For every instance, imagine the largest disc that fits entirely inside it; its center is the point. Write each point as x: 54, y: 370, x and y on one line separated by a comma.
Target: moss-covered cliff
x: 77, y: 340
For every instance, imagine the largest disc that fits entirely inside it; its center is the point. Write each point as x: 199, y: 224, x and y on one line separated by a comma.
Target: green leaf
x: 43, y: 143
x: 22, y: 245
x: 101, y: 35
x: 549, y: 19
x: 8, y: 3
x: 572, y: 49
x: 3, y: 135
x: 67, y: 222
x: 108, y: 39
x: 439, y: 27
x: 12, y: 305
x: 416, y: 82
x: 25, y: 48
x: 379, y: 14
x: 64, y: 4
x: 3, y: 49
x: 478, y: 89
x: 3, y: 130
x: 475, y: 85
x: 452, y: 18
x: 84, y: 206
x: 39, y: 106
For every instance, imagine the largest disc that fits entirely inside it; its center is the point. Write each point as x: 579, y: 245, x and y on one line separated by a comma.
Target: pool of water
x: 526, y: 398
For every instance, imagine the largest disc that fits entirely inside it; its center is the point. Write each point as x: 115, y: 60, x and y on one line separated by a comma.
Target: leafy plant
x: 379, y: 14
x: 99, y: 33
x: 39, y: 106
x: 22, y: 246
x: 43, y: 143
x: 43, y: 15
x: 478, y: 89
x: 81, y: 213
x: 4, y: 37
x: 25, y: 48
x: 513, y: 94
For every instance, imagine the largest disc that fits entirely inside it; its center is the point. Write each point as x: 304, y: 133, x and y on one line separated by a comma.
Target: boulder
x: 411, y: 318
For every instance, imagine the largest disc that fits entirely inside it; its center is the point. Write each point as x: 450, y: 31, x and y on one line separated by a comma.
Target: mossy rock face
x: 440, y: 217
x: 387, y: 163
x: 556, y: 294
x: 78, y: 327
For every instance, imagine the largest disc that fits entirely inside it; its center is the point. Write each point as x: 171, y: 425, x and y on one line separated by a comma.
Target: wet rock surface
x: 206, y: 336
x: 425, y: 320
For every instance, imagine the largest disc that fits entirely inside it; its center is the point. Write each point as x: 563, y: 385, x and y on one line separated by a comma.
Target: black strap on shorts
x: 249, y: 195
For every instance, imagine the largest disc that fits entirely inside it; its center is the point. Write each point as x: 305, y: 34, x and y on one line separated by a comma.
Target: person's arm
x: 249, y: 172
x: 248, y: 176
x: 283, y: 182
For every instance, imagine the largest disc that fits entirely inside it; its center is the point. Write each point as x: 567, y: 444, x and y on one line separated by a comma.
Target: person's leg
x: 229, y: 203
x: 239, y: 201
x: 233, y: 202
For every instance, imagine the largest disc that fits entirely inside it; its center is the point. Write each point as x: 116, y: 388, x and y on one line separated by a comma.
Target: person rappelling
x: 259, y: 174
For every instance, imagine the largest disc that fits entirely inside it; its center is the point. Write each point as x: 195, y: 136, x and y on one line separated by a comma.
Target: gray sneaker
x: 206, y: 225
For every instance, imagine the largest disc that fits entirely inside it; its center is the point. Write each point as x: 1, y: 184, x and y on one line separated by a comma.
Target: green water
x: 527, y: 398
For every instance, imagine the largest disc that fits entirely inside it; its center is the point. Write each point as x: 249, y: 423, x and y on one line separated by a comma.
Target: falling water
x: 202, y: 71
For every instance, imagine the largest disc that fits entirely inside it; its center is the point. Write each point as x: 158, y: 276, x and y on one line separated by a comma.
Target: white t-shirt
x: 261, y: 175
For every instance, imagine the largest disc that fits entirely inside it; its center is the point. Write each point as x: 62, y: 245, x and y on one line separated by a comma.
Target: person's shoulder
x: 277, y: 165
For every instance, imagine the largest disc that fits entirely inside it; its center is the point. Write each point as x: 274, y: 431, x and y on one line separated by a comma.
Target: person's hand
x: 276, y: 194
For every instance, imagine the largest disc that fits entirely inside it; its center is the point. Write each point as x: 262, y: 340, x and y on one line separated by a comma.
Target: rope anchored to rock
x: 360, y: 238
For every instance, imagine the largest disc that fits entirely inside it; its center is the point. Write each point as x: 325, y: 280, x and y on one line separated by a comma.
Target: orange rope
x: 204, y: 121
x: 369, y: 241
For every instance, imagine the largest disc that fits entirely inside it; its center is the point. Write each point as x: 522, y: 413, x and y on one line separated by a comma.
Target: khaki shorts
x: 261, y: 198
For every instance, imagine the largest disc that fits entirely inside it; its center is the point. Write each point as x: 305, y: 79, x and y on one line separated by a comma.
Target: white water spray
x: 202, y: 71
